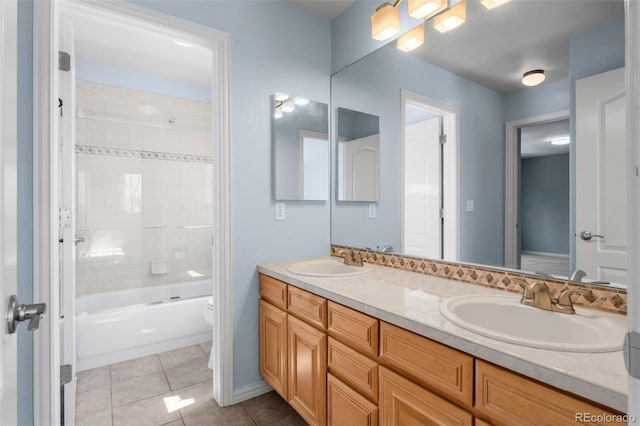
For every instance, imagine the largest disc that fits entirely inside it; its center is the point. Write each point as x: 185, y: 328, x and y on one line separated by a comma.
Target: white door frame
x: 45, y: 233
x: 632, y: 62
x: 8, y: 195
x: 451, y: 156
x: 512, y: 161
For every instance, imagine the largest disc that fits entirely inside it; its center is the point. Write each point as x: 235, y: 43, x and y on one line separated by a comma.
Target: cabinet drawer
x: 355, y: 369
x: 403, y: 402
x: 347, y: 407
x: 438, y: 367
x: 357, y: 330
x: 508, y: 398
x: 274, y: 291
x: 308, y: 307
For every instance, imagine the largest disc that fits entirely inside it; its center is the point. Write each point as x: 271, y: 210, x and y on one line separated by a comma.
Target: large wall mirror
x: 474, y: 166
x: 300, y: 149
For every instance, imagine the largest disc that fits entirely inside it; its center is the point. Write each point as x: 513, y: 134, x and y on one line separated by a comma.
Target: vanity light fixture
x: 452, y: 18
x: 288, y: 106
x: 490, y: 4
x: 277, y: 114
x: 385, y: 21
x: 560, y: 140
x: 412, y: 39
x: 423, y: 9
x: 533, y: 78
x: 300, y: 101
x: 281, y: 97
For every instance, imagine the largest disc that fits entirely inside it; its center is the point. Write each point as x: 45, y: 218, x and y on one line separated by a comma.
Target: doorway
x: 197, y: 120
x: 429, y: 178
x: 537, y: 132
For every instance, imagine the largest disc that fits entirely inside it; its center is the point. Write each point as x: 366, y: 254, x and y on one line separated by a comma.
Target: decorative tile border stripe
x: 600, y: 298
x: 145, y: 155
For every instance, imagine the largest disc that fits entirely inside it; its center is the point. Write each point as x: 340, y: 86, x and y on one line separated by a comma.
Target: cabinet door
x: 307, y: 371
x: 347, y: 407
x: 508, y: 398
x: 403, y: 402
x: 273, y: 347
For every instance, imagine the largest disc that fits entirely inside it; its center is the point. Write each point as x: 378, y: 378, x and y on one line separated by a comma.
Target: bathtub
x: 158, y: 319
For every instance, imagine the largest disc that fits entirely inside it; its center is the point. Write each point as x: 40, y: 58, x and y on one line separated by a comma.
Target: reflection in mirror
x: 358, y: 156
x: 509, y: 208
x: 300, y: 149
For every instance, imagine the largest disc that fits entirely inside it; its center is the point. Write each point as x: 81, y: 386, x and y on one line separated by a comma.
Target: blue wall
x: 545, y: 204
x: 539, y: 100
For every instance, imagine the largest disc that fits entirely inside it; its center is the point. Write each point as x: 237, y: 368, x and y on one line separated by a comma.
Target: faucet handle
x: 565, y: 296
x: 526, y: 287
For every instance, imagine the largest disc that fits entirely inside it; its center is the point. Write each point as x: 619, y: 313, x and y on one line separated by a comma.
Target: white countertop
x: 411, y: 300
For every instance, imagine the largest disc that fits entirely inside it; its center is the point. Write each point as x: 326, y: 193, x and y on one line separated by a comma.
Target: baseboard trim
x: 250, y: 391
x: 541, y: 253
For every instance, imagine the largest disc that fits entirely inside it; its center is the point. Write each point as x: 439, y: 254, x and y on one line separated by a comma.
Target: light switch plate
x: 372, y: 210
x: 280, y: 211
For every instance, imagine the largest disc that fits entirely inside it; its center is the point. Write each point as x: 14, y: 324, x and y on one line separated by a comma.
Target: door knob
x: 586, y: 235
x: 18, y: 313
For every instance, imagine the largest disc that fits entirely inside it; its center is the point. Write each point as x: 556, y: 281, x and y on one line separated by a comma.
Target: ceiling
x: 327, y: 9
x: 534, y: 140
x: 495, y: 47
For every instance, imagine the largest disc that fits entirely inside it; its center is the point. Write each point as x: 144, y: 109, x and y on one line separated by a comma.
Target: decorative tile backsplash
x: 145, y: 155
x: 605, y: 299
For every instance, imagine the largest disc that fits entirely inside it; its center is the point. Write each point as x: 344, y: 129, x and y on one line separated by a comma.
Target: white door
x: 422, y: 189
x: 601, y: 176
x: 361, y: 168
x: 8, y: 215
x: 66, y: 193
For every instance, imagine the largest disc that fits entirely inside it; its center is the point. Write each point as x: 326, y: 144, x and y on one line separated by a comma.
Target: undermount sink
x: 504, y: 318
x: 327, y: 268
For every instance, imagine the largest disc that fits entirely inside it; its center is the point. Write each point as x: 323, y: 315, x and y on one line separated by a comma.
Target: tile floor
x: 547, y: 264
x: 171, y: 388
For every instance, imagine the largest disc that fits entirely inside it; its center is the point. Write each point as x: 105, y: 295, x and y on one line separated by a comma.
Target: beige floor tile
x: 196, y: 398
x: 148, y: 412
x: 93, y: 378
x: 182, y: 356
x: 268, y: 408
x: 136, y: 367
x: 175, y: 423
x: 93, y: 401
x: 292, y: 420
x: 235, y: 415
x: 126, y: 391
x: 188, y: 374
x: 102, y: 418
x: 206, y: 347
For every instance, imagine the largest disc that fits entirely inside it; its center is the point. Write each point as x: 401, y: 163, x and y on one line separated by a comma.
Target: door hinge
x: 66, y: 374
x: 443, y: 139
x: 65, y: 217
x: 64, y: 61
x: 631, y: 352
x: 442, y: 213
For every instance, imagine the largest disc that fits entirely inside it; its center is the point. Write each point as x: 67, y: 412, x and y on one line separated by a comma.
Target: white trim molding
x: 250, y: 391
x: 512, y: 159
x: 632, y: 62
x: 46, y: 277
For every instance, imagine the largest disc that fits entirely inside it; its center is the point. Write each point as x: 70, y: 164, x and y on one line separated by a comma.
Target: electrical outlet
x: 372, y: 210
x: 280, y: 211
x: 470, y: 206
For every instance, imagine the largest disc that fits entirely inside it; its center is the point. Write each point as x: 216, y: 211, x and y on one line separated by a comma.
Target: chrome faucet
x: 538, y: 296
x: 352, y: 258
x: 577, y: 275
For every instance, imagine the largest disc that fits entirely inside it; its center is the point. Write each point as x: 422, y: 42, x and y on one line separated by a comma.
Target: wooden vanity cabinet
x: 505, y: 397
x: 293, y: 347
x: 345, y: 406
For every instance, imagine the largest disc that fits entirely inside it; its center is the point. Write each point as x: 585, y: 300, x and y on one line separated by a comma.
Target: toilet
x: 208, y: 317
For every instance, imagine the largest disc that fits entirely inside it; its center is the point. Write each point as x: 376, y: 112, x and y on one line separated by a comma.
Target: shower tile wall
x: 143, y: 178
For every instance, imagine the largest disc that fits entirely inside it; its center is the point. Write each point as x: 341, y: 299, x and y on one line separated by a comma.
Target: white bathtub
x: 167, y: 317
